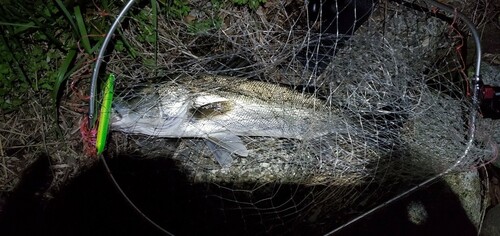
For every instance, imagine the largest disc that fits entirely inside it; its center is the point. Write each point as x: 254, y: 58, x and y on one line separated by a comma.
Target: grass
x: 48, y: 45
x: 31, y: 51
x: 43, y: 44
x: 38, y: 51
x: 252, y: 4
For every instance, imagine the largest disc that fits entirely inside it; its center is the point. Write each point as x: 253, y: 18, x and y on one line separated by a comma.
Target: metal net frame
x: 390, y: 80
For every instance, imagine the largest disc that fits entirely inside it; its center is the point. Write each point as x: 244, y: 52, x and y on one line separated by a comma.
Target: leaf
x: 16, y: 65
x: 4, y: 69
x: 68, y: 15
x: 20, y: 27
x: 62, y: 73
x: 97, y: 46
x: 82, y: 29
x: 119, y: 46
x: 130, y: 49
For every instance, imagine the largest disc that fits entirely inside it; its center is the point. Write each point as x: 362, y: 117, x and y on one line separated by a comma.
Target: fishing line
x: 129, y: 201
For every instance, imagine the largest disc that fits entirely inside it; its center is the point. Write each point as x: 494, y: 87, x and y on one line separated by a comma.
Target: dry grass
x: 32, y: 130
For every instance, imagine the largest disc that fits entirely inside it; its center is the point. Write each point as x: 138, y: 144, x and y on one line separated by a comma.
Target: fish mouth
x: 116, y: 114
x: 115, y: 118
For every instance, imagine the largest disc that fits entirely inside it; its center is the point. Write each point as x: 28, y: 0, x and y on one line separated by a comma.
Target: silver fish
x: 219, y: 109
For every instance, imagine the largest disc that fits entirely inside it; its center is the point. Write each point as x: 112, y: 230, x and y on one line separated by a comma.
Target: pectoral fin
x: 222, y: 156
x: 223, y: 145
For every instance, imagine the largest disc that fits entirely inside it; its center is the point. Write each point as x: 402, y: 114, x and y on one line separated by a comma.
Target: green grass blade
x: 17, y: 66
x: 44, y: 28
x: 62, y: 73
x: 82, y: 29
x: 61, y: 76
x: 68, y: 15
x: 97, y: 46
x: 154, y: 6
x: 22, y: 28
x: 26, y: 25
x: 127, y: 45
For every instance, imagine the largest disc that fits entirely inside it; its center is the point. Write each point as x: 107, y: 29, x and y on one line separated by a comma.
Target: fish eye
x: 211, y: 109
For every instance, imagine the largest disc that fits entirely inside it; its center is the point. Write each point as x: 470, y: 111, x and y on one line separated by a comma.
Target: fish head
x: 159, y: 113
x: 127, y: 114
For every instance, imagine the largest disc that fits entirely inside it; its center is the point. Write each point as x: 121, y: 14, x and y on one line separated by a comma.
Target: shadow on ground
x: 91, y: 205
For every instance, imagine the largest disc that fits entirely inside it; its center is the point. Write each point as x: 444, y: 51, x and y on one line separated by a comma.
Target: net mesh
x: 387, y: 76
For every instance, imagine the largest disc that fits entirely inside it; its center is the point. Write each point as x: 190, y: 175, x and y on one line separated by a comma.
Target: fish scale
x: 222, y: 109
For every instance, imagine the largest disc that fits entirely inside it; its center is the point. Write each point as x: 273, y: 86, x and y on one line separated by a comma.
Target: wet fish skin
x: 219, y: 109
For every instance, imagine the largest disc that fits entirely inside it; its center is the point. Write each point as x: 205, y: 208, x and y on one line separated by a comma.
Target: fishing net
x: 388, y: 81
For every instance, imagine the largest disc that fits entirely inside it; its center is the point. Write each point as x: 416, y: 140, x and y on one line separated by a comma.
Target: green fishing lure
x: 102, y: 130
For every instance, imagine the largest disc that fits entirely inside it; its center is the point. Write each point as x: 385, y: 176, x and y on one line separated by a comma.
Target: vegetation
x: 252, y: 4
x: 178, y: 8
x: 38, y: 52
x: 44, y: 42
